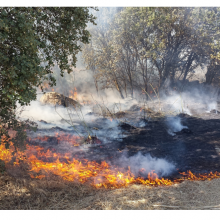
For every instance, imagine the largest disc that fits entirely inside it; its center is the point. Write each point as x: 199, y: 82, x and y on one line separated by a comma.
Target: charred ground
x: 195, y: 148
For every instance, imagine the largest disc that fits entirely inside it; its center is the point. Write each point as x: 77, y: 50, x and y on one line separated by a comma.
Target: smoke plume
x: 143, y: 164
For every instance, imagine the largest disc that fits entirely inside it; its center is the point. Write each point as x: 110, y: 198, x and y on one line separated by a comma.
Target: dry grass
x: 25, y: 193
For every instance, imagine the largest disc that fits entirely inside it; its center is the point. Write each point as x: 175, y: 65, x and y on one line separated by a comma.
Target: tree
x: 156, y: 44
x: 98, y: 55
x: 209, y: 30
x: 32, y: 41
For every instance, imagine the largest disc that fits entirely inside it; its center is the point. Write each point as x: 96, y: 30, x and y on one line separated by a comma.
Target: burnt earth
x: 126, y: 126
x: 196, y: 149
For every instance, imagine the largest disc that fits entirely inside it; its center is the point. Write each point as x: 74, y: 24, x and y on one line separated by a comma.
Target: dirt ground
x: 56, y: 194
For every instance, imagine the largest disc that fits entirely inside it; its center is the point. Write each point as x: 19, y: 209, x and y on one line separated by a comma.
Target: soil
x: 197, y: 150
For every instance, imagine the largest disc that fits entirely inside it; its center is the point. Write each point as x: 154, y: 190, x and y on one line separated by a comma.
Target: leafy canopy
x: 32, y: 41
x: 145, y: 45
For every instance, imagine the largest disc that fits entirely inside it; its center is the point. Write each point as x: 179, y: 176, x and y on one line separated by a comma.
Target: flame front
x: 42, y: 164
x: 73, y: 94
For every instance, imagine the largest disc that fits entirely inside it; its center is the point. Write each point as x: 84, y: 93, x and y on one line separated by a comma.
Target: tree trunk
x: 119, y: 89
x: 167, y: 70
x: 211, y: 72
x: 189, y: 63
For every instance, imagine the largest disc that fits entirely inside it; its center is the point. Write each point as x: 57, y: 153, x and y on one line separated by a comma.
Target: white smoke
x: 174, y: 125
x: 82, y: 121
x: 143, y: 164
x: 37, y: 111
x: 211, y: 106
x: 177, y: 103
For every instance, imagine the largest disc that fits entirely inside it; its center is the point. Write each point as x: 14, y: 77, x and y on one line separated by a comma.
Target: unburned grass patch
x: 55, y: 193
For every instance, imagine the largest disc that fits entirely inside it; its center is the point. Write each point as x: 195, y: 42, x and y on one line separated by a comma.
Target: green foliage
x: 32, y: 41
x: 153, y: 44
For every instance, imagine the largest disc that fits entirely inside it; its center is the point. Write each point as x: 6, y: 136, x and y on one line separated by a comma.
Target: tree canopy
x: 32, y: 41
x: 145, y: 45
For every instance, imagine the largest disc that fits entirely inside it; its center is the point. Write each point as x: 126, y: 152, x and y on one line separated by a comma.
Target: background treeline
x: 137, y: 47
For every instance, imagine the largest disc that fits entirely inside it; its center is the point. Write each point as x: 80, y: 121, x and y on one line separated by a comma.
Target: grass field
x: 25, y: 193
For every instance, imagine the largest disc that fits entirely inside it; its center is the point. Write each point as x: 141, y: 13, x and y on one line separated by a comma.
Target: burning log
x: 55, y: 98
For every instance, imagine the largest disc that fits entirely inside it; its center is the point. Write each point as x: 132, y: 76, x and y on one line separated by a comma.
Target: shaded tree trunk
x: 119, y: 89
x: 189, y: 63
x: 165, y: 75
x: 211, y: 72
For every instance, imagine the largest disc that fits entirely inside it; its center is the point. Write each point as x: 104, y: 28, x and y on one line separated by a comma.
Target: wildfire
x: 45, y: 85
x: 71, y: 139
x: 42, y: 164
x: 73, y: 94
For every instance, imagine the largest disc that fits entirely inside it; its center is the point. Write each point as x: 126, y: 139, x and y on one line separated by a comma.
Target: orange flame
x: 45, y: 85
x: 73, y: 94
x: 42, y: 163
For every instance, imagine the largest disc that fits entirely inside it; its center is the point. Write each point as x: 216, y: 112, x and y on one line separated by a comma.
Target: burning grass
x: 58, y: 181
x: 48, y: 180
x: 40, y: 164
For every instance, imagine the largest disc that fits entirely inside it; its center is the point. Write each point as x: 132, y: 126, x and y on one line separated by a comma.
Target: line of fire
x: 140, y: 107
